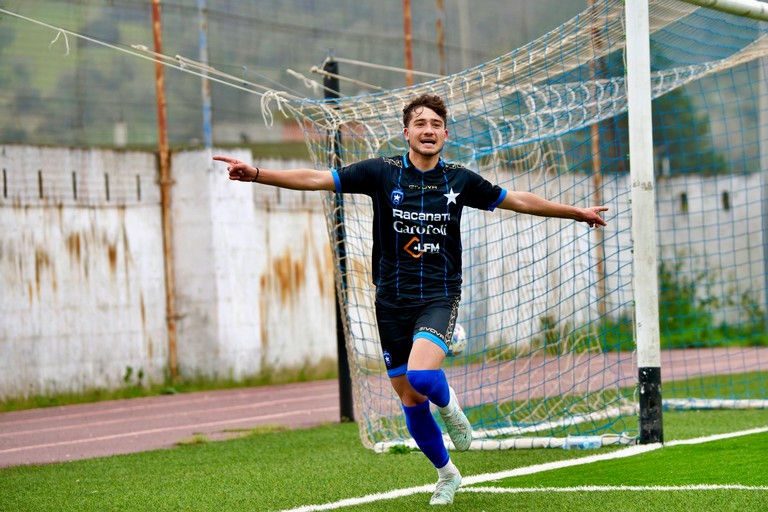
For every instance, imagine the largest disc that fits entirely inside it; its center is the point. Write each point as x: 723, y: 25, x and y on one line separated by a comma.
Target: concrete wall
x: 254, y: 272
x: 82, y: 287
x: 81, y: 294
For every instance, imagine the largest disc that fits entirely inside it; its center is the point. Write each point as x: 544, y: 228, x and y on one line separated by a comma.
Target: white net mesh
x: 547, y: 305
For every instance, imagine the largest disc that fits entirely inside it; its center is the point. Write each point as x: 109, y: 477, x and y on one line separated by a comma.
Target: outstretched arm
x: 296, y: 179
x: 526, y: 202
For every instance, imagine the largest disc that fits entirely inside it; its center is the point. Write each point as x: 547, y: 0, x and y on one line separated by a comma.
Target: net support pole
x: 643, y: 194
x: 346, y: 403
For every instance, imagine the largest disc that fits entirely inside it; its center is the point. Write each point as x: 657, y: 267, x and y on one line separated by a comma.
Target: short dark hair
x: 431, y: 101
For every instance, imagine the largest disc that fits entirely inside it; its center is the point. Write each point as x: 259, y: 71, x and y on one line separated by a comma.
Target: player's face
x: 426, y: 132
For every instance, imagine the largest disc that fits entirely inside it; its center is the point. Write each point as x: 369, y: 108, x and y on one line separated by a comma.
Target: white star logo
x: 451, y: 197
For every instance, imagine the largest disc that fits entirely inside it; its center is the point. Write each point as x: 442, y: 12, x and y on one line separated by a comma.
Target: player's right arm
x: 295, y: 179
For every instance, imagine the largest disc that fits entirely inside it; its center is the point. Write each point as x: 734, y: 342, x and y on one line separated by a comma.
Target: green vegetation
x: 73, y: 92
x: 682, y: 124
x: 727, y: 386
x: 280, y: 470
x: 687, y: 308
x: 196, y: 439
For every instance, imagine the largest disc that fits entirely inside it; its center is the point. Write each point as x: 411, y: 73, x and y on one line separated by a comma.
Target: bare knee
x: 408, y: 396
x: 412, y: 397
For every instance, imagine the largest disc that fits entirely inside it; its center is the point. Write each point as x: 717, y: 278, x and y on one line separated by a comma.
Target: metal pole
x: 165, y: 194
x: 408, y: 42
x: 206, y: 85
x: 762, y: 130
x: 645, y: 266
x: 346, y: 402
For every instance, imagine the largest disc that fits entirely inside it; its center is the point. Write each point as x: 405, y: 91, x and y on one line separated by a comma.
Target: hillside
x: 80, y: 96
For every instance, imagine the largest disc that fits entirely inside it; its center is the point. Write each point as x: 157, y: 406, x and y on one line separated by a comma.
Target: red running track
x: 57, y: 434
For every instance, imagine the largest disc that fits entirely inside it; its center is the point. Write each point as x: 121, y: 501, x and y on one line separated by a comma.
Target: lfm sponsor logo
x: 416, y: 248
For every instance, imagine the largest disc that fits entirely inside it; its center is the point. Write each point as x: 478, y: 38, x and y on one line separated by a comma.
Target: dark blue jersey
x: 416, y: 221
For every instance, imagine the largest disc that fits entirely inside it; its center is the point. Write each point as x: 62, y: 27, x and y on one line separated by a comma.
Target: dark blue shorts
x: 401, y: 321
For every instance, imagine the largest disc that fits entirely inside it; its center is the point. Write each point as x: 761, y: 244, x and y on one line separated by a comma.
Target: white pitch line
x: 610, y: 488
x: 717, y: 437
x: 537, y: 468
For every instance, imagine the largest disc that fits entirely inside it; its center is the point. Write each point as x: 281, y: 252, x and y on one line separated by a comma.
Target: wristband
x: 257, y: 175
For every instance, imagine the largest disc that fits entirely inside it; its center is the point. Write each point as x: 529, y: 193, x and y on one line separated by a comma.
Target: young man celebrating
x: 417, y: 204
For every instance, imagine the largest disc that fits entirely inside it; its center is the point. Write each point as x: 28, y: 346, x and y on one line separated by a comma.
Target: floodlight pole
x: 643, y: 194
x: 346, y: 403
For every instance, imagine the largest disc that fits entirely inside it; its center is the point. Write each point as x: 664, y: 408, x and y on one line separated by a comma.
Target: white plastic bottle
x: 582, y: 443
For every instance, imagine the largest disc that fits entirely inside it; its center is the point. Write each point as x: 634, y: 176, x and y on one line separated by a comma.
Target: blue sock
x: 432, y: 384
x: 426, y: 432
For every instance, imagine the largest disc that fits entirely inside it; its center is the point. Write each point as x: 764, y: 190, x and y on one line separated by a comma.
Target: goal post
x: 643, y: 183
x: 570, y: 333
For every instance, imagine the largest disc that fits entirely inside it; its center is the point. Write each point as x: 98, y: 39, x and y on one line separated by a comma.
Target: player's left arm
x: 526, y: 202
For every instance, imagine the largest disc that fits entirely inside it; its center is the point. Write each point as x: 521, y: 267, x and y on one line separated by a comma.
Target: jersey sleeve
x: 357, y: 178
x: 482, y: 194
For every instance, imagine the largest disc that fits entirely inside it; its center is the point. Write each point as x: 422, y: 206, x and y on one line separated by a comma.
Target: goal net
x: 547, y: 304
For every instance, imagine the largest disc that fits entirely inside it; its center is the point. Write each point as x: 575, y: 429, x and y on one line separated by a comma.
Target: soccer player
x: 417, y: 203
